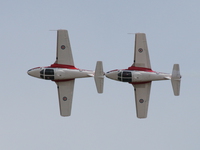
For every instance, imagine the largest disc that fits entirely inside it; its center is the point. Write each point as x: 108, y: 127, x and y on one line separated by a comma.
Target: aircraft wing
x: 142, y: 93
x: 64, y: 53
x: 141, y: 54
x: 65, y: 94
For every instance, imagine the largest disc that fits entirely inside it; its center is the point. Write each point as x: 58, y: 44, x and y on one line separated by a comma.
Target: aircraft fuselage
x: 136, y: 76
x: 59, y: 74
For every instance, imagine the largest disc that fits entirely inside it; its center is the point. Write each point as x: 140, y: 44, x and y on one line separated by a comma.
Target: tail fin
x: 176, y: 79
x: 99, y: 76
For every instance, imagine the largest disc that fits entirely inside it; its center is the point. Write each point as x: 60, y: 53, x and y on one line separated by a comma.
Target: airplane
x: 63, y: 72
x: 140, y: 75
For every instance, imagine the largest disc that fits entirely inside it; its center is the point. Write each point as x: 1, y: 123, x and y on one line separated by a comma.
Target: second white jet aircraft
x: 140, y: 75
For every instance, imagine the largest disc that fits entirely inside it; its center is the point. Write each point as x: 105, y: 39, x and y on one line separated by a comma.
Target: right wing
x: 142, y: 93
x: 65, y: 94
x: 64, y: 53
x: 141, y: 54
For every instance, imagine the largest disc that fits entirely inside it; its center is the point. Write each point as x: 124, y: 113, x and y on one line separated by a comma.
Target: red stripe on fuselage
x: 62, y: 80
x: 63, y: 66
x: 139, y: 82
x: 140, y: 69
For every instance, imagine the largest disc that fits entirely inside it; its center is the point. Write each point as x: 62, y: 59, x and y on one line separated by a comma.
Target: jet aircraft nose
x: 35, y: 72
x: 112, y: 75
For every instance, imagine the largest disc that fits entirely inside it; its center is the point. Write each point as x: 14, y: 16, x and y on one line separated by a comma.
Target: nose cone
x: 112, y: 75
x: 35, y: 72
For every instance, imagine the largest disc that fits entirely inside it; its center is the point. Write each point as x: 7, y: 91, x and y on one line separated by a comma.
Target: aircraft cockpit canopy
x: 47, y: 74
x: 125, y: 76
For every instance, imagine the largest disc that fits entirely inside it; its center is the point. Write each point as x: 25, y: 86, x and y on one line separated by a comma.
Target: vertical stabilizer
x: 176, y: 79
x: 99, y: 76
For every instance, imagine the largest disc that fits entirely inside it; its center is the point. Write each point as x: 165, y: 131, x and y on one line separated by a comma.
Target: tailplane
x: 176, y: 79
x: 99, y: 76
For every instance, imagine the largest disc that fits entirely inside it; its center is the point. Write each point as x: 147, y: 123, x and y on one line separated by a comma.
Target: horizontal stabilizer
x: 99, y: 77
x: 176, y: 79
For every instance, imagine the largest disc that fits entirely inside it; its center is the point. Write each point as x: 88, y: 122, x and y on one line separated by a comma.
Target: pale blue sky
x: 29, y: 110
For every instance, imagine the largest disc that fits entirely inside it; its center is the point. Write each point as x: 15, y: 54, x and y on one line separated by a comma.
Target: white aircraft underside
x: 140, y: 75
x: 133, y: 76
x: 63, y: 73
x: 59, y: 74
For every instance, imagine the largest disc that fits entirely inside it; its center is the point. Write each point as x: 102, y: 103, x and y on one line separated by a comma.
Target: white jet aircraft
x: 140, y: 75
x: 63, y: 73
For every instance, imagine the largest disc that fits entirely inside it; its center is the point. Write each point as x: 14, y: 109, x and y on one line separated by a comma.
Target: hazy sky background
x: 29, y: 109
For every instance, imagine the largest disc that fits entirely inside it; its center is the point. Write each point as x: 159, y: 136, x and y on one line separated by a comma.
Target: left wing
x: 142, y: 93
x: 141, y: 54
x: 65, y: 94
x: 64, y: 53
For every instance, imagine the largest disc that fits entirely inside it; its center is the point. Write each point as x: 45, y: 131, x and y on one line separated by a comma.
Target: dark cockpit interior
x: 125, y: 76
x: 47, y: 74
